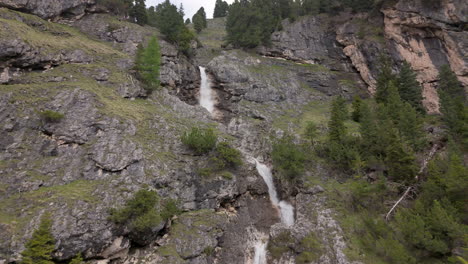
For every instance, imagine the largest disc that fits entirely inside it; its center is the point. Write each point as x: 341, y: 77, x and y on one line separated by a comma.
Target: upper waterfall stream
x: 206, y: 93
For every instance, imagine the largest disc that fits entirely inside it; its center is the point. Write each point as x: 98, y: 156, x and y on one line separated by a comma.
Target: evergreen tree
x: 336, y: 126
x: 197, y: 23
x: 187, y: 21
x: 151, y: 12
x: 400, y: 159
x: 181, y: 10
x: 41, y: 245
x: 199, y: 20
x: 221, y: 8
x: 409, y: 88
x: 384, y: 79
x: 138, y: 12
x: 250, y: 23
x: 147, y: 64
x: 453, y: 104
x: 171, y: 24
x: 356, y: 115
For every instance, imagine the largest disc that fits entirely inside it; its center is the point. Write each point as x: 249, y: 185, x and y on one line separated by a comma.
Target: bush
x: 288, y: 158
x: 311, y: 131
x: 311, y: 249
x: 41, y: 245
x: 50, y: 116
x: 200, y: 140
x: 170, y: 208
x: 226, y: 156
x: 78, y: 259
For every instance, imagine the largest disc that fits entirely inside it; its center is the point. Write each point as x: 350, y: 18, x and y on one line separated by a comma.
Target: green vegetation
x: 453, y: 105
x: 310, y: 248
x: 280, y: 244
x: 221, y: 9
x: 170, y: 21
x: 226, y: 156
x: 200, y: 140
x: 288, y: 159
x: 251, y: 22
x: 144, y: 211
x: 50, y: 116
x: 78, y: 259
x: 199, y: 20
x: 148, y: 60
x: 41, y: 245
x: 409, y: 88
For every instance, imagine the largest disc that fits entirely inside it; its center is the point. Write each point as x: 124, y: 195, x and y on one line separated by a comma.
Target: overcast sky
x: 190, y: 6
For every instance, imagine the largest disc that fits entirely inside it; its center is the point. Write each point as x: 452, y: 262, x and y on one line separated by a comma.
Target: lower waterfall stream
x: 285, y: 209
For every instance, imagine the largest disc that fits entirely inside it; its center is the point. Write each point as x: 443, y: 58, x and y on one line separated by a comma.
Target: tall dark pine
x: 138, y: 12
x: 409, y: 88
x: 384, y: 79
x: 220, y: 9
x: 336, y: 126
x: 453, y: 104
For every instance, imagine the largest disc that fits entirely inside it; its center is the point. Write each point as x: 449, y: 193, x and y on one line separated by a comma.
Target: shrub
x: 205, y: 172
x: 226, y: 156
x: 41, y: 245
x: 78, y: 259
x: 170, y: 208
x: 288, y: 158
x: 311, y: 131
x: 200, y: 140
x: 50, y: 116
x: 311, y: 249
x: 140, y: 213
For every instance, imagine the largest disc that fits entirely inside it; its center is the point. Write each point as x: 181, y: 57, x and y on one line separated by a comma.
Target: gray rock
x: 50, y: 8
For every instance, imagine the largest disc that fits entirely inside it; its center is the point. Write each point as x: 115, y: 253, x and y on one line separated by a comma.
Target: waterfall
x: 260, y: 252
x: 286, y: 209
x: 206, y: 93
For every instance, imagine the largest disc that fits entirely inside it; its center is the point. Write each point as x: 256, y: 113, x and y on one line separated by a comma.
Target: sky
x: 191, y: 6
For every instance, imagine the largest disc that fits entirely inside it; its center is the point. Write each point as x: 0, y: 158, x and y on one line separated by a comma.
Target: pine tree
x: 139, y: 12
x: 41, y: 245
x: 221, y: 8
x: 181, y: 10
x: 453, y: 104
x: 197, y: 23
x: 384, y: 79
x: 356, y: 115
x: 147, y: 64
x: 400, y: 159
x: 409, y: 88
x: 336, y: 126
x: 187, y: 21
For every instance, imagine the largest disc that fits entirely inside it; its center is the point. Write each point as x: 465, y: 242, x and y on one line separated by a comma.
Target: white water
x: 286, y: 209
x: 260, y: 252
x: 206, y: 93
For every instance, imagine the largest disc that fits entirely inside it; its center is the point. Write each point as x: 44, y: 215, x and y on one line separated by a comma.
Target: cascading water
x: 206, y: 93
x: 260, y: 253
x: 286, y: 209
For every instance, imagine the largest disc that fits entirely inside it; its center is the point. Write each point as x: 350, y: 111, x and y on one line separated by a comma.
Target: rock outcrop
x: 425, y: 35
x: 50, y: 8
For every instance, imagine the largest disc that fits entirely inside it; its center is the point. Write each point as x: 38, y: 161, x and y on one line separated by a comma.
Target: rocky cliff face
x: 51, y: 9
x: 414, y: 31
x: 427, y: 36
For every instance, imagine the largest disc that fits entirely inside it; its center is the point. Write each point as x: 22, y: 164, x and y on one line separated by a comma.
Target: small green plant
x: 209, y: 251
x: 170, y: 208
x: 41, y: 245
x: 205, y: 172
x: 288, y: 158
x: 311, y: 249
x: 280, y: 244
x: 226, y: 156
x: 78, y: 259
x: 200, y: 140
x: 50, y: 116
x: 310, y: 132
x: 227, y: 175
x: 140, y: 212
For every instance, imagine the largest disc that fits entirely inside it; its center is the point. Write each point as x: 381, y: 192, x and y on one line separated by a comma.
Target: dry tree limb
x: 421, y: 170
